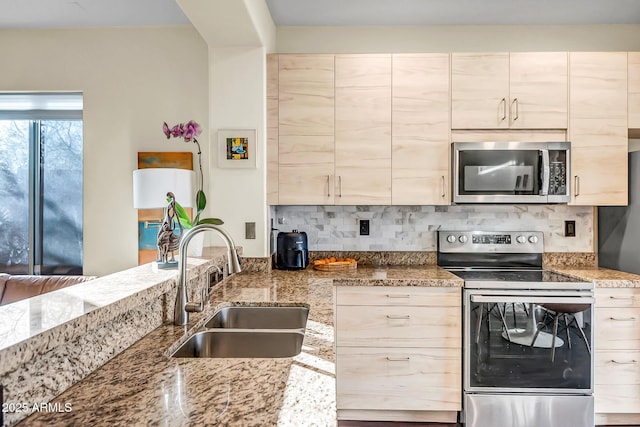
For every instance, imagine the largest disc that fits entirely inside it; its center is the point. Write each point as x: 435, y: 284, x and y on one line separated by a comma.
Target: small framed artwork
x: 237, y: 148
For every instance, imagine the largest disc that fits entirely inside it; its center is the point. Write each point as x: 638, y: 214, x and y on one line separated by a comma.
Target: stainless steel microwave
x: 511, y: 172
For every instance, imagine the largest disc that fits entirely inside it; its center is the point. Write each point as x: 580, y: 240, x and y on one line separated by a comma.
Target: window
x: 41, y: 183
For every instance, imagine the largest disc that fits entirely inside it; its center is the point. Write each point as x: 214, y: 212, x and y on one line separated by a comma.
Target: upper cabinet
x: 420, y: 129
x: 598, y: 128
x: 363, y: 130
x: 634, y: 90
x: 306, y: 129
x: 509, y: 91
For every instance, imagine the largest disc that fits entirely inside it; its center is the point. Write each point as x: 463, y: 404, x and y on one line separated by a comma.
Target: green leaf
x: 184, y: 218
x: 201, y: 201
x: 214, y: 221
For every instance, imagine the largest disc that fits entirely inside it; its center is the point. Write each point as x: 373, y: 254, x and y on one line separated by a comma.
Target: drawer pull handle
x: 398, y: 296
x: 626, y: 319
x: 632, y: 362
x: 622, y: 298
x: 398, y: 317
x: 398, y: 359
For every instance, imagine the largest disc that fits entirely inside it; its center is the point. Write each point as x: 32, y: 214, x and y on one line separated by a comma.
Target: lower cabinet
x: 398, y: 353
x: 617, y: 356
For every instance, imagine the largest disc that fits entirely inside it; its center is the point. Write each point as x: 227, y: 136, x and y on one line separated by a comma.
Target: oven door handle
x: 534, y: 299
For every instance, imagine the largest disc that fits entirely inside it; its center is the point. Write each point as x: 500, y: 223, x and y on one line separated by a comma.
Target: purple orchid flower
x: 166, y: 130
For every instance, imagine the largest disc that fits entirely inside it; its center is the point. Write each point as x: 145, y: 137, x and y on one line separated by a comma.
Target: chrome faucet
x: 183, y: 307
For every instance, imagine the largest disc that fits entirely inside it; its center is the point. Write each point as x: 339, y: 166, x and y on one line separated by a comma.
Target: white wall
x: 132, y: 79
x: 238, y: 101
x: 469, y: 38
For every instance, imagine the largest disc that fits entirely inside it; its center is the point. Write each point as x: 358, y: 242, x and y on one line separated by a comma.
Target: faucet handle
x: 198, y: 306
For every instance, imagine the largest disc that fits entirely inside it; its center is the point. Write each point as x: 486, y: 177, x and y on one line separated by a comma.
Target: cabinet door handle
x: 504, y: 108
x: 621, y: 319
x: 328, y: 186
x: 398, y: 296
x: 340, y: 186
x: 621, y: 298
x: 444, y: 188
x: 515, y: 102
x: 398, y: 317
x: 631, y: 362
x: 576, y: 180
x: 398, y: 359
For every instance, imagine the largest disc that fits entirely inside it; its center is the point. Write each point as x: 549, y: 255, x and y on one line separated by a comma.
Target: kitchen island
x: 144, y: 386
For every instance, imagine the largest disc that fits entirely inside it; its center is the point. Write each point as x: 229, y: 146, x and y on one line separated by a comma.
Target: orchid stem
x: 200, y: 164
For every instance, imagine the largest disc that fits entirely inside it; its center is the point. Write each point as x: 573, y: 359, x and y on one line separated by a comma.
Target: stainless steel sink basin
x: 260, y: 318
x: 236, y: 343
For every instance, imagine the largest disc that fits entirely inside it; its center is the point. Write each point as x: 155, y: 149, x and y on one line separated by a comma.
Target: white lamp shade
x: 150, y: 187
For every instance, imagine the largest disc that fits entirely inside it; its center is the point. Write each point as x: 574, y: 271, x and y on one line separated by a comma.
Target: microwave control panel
x: 557, y: 178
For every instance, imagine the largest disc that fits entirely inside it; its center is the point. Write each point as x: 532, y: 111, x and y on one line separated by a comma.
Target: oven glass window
x: 510, y: 345
x: 499, y: 172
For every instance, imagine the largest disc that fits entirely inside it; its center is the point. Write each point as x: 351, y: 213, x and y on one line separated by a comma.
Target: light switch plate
x: 249, y: 230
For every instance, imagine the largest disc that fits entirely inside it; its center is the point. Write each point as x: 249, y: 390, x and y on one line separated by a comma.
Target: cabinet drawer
x: 617, y: 399
x: 396, y: 296
x: 617, y: 329
x: 377, y: 326
x: 398, y: 379
x: 618, y: 297
x: 618, y: 367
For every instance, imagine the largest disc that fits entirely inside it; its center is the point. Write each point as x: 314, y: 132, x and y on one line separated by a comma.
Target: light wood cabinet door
x: 479, y: 90
x: 306, y: 170
x: 598, y: 127
x: 399, y: 296
x: 634, y: 90
x: 377, y: 326
x: 306, y: 129
x: 420, y: 129
x: 538, y: 88
x: 363, y: 129
x: 420, y: 379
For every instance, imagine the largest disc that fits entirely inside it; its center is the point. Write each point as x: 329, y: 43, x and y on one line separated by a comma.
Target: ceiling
x: 108, y: 13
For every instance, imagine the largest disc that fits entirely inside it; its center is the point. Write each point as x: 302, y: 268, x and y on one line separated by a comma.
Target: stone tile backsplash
x: 413, y: 228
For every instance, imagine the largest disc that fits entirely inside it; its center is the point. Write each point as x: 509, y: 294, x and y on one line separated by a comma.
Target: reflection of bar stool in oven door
x: 490, y: 308
x: 568, y: 312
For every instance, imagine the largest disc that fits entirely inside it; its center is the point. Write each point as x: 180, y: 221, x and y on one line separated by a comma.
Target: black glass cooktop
x: 514, y: 276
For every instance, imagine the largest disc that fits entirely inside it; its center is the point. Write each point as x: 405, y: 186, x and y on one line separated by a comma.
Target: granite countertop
x: 602, y: 277
x: 143, y: 386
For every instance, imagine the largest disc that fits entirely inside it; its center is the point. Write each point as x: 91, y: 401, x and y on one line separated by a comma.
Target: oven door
x: 510, y: 172
x: 500, y: 326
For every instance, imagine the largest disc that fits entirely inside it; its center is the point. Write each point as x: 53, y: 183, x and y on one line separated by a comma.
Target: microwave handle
x: 545, y: 173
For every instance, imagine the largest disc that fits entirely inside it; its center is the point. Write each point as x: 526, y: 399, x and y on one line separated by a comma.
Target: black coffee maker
x: 292, y: 252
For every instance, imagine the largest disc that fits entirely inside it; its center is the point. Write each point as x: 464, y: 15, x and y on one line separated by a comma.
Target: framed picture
x: 237, y: 148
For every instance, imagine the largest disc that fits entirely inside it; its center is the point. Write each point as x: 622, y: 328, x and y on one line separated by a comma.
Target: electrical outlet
x: 364, y: 227
x: 570, y: 229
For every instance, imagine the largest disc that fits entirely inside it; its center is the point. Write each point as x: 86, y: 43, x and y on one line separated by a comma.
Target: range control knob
x: 521, y: 239
x: 462, y: 239
x: 451, y: 238
x: 533, y: 239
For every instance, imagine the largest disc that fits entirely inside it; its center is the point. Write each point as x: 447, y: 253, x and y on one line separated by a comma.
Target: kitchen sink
x: 249, y: 331
x: 243, y: 344
x: 260, y: 318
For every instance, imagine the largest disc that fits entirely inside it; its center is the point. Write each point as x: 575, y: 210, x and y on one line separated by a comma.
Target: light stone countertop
x: 602, y: 277
x: 143, y: 386
x: 39, y: 324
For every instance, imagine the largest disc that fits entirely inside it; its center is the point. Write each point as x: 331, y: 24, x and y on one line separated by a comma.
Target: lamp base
x: 167, y: 265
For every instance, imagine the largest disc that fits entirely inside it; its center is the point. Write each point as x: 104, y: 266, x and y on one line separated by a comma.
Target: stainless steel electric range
x: 528, y: 333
